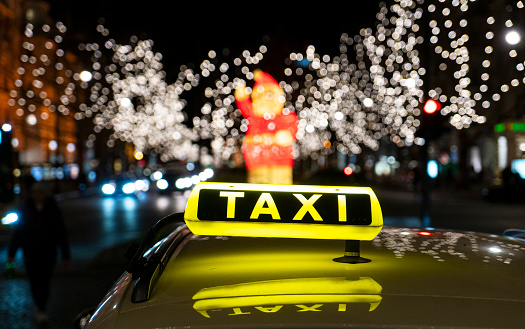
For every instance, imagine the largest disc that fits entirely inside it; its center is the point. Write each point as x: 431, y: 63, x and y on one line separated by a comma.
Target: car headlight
x: 162, y: 184
x: 108, y: 189
x: 10, y: 218
x: 142, y: 185
x: 128, y: 188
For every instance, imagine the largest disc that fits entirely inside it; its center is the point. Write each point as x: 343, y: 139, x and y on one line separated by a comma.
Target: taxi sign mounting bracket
x: 352, y: 253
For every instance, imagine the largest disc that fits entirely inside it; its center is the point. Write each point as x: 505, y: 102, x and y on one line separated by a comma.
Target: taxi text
x: 248, y: 310
x: 285, y: 207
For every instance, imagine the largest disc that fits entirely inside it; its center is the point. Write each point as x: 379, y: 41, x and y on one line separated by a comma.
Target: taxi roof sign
x: 287, y: 211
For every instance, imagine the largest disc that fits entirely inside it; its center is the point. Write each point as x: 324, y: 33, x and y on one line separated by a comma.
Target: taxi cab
x: 265, y: 256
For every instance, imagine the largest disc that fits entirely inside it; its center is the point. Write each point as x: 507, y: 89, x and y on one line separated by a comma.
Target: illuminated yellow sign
x: 299, y: 295
x: 293, y: 211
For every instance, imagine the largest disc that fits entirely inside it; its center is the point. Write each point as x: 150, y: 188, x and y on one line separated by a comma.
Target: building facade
x: 38, y: 92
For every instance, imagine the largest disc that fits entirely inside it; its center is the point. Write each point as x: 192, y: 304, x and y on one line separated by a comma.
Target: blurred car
x: 124, y: 186
x: 515, y: 233
x: 254, y: 256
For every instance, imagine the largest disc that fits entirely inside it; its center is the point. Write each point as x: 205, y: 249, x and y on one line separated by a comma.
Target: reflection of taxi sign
x: 302, y: 295
x: 292, y: 211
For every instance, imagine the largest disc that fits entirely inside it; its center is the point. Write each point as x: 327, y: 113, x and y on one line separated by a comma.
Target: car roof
x: 429, y: 278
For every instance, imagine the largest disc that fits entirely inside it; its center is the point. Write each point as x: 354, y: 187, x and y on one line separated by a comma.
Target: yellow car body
x: 416, y: 279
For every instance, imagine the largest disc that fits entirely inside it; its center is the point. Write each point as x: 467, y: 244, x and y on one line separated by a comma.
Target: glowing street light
x: 53, y: 145
x: 512, y: 38
x: 7, y: 127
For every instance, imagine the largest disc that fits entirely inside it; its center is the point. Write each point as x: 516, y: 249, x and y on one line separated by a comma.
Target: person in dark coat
x: 40, y: 231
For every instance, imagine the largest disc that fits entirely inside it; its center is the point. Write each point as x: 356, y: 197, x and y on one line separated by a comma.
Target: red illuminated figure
x: 272, y: 129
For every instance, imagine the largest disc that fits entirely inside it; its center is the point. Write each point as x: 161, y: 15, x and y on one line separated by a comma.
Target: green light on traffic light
x: 499, y: 128
x: 518, y: 126
x: 514, y: 126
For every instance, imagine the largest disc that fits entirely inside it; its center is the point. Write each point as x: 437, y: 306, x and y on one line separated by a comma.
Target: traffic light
x: 432, y: 122
x: 348, y: 171
x: 431, y: 106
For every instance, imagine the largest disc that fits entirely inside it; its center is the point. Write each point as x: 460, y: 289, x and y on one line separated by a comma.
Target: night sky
x: 185, y: 33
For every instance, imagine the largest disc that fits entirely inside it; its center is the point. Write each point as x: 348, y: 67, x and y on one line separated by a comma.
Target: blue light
x: 432, y: 169
x: 518, y: 166
x: 37, y: 173
x: 92, y: 176
x: 303, y: 63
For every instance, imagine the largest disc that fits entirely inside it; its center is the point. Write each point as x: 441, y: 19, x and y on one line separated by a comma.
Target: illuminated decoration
x: 130, y: 95
x: 369, y: 93
x: 513, y: 38
x: 481, y: 80
x: 86, y: 76
x: 358, y: 102
x: 271, y: 131
x: 293, y: 211
x: 220, y: 121
x: 272, y: 296
x: 374, y: 87
x: 45, y: 83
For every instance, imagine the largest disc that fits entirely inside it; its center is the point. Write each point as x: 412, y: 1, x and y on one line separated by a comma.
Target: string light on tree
x: 220, y: 120
x: 371, y: 91
x: 357, y: 101
x: 130, y: 96
x: 45, y: 83
x: 374, y: 87
x: 458, y: 35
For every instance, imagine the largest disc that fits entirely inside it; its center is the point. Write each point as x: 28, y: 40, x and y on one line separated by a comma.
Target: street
x: 101, y: 228
x: 452, y: 210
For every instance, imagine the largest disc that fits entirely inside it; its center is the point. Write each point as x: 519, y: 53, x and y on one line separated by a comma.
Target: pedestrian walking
x: 40, y: 231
